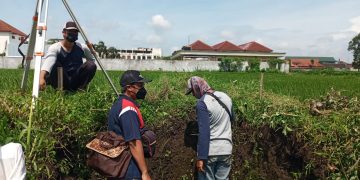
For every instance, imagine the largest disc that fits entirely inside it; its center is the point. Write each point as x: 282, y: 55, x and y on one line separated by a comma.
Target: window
x: 13, y: 37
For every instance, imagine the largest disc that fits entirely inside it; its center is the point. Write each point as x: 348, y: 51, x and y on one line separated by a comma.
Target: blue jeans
x: 216, y: 167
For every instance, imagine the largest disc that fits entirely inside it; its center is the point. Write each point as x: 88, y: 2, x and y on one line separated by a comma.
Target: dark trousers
x: 78, y: 80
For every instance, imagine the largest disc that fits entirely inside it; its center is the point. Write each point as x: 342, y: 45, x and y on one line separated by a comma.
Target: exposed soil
x: 258, y: 153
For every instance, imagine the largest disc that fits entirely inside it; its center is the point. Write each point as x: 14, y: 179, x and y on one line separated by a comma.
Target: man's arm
x: 129, y: 124
x: 137, y: 152
x: 87, y: 53
x: 204, y: 134
x: 48, y: 63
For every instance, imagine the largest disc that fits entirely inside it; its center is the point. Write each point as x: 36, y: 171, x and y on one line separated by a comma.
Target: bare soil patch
x: 258, y: 153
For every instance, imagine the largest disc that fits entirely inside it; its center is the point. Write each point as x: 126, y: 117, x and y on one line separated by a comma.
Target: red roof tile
x: 305, y: 63
x: 226, y: 46
x: 5, y: 27
x: 200, y: 46
x: 254, y: 46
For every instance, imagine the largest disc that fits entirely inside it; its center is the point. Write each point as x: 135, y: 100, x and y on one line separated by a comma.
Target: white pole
x: 39, y: 47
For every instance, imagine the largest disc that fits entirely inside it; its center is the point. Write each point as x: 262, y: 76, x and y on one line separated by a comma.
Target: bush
x: 231, y: 64
x: 235, y: 64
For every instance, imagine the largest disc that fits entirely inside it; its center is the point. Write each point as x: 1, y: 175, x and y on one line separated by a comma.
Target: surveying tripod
x: 37, y: 43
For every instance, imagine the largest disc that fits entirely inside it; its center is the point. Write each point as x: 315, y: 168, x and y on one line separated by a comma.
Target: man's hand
x: 42, y: 84
x: 145, y: 176
x: 200, y: 165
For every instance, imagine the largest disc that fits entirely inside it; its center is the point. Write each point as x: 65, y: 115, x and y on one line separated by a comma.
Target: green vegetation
x: 64, y: 122
x: 235, y: 64
x: 354, y: 47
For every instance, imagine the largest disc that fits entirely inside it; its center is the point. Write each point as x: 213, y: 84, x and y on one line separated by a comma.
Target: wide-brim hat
x: 70, y: 25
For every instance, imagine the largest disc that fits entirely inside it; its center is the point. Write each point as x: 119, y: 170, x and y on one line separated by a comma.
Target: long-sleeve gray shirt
x: 215, y: 135
x: 56, y: 50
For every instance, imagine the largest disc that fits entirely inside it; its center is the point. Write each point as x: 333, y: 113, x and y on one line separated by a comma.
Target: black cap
x: 131, y: 76
x: 70, y: 25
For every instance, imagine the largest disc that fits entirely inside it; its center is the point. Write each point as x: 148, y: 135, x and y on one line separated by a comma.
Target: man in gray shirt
x: 214, y: 113
x: 69, y: 55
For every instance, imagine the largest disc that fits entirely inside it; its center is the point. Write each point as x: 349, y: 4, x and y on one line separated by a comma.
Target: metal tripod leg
x: 30, y: 51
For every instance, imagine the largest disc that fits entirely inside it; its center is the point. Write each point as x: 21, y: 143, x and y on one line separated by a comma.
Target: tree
x: 101, y: 49
x: 312, y: 63
x: 111, y: 52
x: 52, y: 41
x: 354, y: 46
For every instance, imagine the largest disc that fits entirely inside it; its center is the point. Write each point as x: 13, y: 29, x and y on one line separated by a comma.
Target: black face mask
x: 72, y: 37
x: 141, y: 93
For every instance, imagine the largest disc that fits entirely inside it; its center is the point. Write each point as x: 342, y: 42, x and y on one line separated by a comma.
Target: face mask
x: 71, y: 37
x: 141, y: 93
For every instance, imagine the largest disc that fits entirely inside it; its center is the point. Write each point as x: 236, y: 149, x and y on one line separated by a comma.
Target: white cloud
x: 154, y: 39
x: 355, y: 24
x: 158, y: 21
x: 348, y: 33
x: 226, y: 34
x: 341, y: 35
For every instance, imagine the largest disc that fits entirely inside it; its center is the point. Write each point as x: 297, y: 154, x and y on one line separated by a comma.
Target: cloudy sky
x: 299, y: 28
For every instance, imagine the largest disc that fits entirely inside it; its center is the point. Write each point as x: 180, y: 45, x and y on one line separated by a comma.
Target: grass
x: 64, y: 122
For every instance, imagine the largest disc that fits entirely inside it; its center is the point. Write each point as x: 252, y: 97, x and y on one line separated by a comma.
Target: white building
x: 140, y: 53
x: 10, y: 38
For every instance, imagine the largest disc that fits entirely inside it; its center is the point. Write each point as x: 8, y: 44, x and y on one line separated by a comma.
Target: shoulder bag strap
x: 222, y: 104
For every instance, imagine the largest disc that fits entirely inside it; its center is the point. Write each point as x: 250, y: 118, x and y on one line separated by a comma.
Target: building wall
x: 131, y: 54
x: 152, y: 65
x: 4, y: 40
x: 9, y: 45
